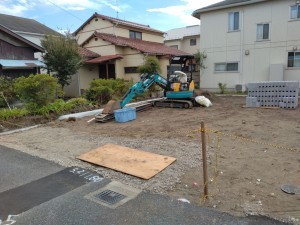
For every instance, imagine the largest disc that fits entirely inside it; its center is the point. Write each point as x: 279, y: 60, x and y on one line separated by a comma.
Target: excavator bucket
x: 111, y: 106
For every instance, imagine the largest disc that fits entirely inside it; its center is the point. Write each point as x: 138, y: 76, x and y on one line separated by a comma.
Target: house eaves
x: 116, y: 21
x: 17, y: 36
x: 224, y: 5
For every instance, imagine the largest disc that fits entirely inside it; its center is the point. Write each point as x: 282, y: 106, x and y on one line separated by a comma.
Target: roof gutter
x: 198, y: 12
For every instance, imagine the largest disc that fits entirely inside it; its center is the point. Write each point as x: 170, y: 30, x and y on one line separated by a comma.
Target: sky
x: 64, y: 15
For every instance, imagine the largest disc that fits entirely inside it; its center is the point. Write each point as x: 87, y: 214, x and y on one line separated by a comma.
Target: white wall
x: 223, y: 46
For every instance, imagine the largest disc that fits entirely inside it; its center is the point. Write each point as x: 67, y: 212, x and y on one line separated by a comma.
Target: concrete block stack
x: 283, y: 94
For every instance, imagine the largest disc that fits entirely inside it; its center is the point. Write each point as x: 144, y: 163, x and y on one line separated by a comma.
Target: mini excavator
x: 178, y: 90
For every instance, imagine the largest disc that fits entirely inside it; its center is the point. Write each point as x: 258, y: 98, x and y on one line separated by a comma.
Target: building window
x: 233, y: 21
x: 227, y: 67
x: 295, y: 12
x: 193, y: 42
x: 294, y: 59
x: 174, y: 46
x: 263, y: 31
x: 132, y: 69
x: 135, y: 34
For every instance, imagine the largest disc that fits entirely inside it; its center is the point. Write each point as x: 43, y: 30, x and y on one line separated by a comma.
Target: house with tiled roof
x: 17, y: 55
x: 250, y: 41
x: 122, y: 46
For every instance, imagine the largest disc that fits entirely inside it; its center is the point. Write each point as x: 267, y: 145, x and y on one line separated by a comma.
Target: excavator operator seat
x: 182, y: 76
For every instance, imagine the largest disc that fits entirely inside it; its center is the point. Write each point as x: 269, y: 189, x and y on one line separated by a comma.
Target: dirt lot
x: 254, y: 153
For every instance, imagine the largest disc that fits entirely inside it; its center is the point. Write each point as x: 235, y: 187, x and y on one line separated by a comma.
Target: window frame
x: 130, y: 69
x: 263, y: 26
x: 294, y: 55
x: 298, y: 12
x: 193, y: 44
x: 233, y: 29
x: 135, y: 34
x: 226, y: 64
x: 174, y: 46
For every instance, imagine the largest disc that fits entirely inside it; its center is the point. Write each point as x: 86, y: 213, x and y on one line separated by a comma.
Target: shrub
x: 57, y: 107
x: 75, y: 102
x: 78, y: 101
x: 6, y: 87
x: 36, y: 90
x: 222, y: 88
x: 102, y: 90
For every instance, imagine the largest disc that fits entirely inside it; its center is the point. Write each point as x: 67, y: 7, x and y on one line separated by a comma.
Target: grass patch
x: 13, y: 113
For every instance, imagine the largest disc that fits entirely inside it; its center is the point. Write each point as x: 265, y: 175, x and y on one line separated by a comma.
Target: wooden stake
x: 205, y: 182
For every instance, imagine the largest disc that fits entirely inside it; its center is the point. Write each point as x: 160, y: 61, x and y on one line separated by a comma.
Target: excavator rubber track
x: 103, y: 118
x: 174, y: 103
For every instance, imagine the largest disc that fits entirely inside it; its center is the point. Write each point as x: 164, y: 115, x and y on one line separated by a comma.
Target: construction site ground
x: 251, y: 152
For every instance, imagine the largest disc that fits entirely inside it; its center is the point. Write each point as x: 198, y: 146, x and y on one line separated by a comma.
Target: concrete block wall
x: 283, y: 94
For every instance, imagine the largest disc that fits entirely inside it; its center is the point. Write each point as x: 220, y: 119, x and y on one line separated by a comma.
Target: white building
x: 185, y: 38
x: 250, y: 40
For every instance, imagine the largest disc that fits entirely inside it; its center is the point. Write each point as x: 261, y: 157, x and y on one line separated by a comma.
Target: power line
x: 73, y: 14
x: 65, y: 10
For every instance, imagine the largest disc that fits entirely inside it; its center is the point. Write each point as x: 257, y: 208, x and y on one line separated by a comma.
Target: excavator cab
x: 180, y: 84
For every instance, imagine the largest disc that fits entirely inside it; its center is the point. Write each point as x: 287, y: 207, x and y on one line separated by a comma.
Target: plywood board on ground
x: 127, y: 160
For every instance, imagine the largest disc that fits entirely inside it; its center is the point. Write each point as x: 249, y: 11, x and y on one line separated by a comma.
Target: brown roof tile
x: 152, y: 48
x: 104, y: 58
x: 88, y: 53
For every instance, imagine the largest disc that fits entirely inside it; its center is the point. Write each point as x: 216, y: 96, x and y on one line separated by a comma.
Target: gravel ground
x: 61, y: 145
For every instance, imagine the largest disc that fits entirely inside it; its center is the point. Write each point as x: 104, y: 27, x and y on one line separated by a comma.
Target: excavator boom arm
x: 147, y: 80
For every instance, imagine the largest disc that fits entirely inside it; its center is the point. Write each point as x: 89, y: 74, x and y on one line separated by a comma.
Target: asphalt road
x: 34, y: 191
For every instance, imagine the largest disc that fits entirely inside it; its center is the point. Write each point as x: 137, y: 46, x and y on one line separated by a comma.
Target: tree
x: 62, y: 57
x: 199, y: 58
x: 151, y: 65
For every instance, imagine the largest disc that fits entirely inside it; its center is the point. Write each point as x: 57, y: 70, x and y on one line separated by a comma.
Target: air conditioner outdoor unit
x: 240, y: 87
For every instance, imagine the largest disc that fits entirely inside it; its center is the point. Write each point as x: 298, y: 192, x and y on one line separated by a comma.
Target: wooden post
x: 205, y: 182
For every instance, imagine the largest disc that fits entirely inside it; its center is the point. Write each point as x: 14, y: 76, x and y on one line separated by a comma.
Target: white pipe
x: 97, y: 111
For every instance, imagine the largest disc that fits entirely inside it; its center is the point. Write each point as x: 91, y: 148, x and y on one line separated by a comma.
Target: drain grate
x: 110, y: 197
